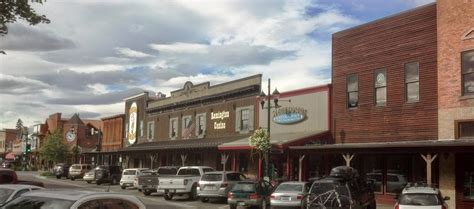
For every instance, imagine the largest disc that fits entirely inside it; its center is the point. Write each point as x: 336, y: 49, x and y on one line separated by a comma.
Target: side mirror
x: 446, y: 198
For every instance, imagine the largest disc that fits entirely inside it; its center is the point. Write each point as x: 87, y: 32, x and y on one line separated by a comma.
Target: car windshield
x: 129, y: 172
x: 419, y: 199
x: 189, y: 171
x: 289, y: 188
x: 212, y: 177
x: 323, y: 187
x: 76, y: 167
x: 4, y: 194
x: 244, y: 187
x: 38, y: 203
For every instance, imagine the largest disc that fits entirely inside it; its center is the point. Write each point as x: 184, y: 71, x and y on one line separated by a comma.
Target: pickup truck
x: 8, y: 176
x: 148, y: 181
x: 185, y: 182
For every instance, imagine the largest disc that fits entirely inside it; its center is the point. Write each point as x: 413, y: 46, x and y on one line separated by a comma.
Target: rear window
x: 234, y: 177
x: 244, y: 187
x: 4, y: 194
x: 167, y: 171
x: 189, y: 171
x: 76, y: 167
x: 212, y: 177
x: 38, y: 202
x: 419, y: 199
x: 290, y: 188
x: 129, y: 172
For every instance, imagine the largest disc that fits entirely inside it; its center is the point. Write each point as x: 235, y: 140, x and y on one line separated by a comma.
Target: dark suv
x: 108, y: 174
x: 61, y: 170
x: 343, y: 188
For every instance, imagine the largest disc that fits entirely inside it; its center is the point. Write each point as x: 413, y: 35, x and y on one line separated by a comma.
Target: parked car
x: 8, y: 176
x: 395, y: 182
x: 217, y: 184
x: 89, y: 176
x: 74, y: 199
x: 9, y: 192
x: 250, y: 194
x: 185, y: 182
x: 129, y: 175
x: 290, y: 194
x: 343, y: 188
x: 78, y: 170
x: 420, y: 196
x: 148, y: 181
x: 108, y: 174
x: 61, y: 170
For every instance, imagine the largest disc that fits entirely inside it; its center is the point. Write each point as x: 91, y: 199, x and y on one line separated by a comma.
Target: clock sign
x: 70, y: 136
x: 132, y: 129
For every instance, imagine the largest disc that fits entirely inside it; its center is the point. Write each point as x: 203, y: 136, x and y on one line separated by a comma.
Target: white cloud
x: 131, y: 53
x: 181, y: 48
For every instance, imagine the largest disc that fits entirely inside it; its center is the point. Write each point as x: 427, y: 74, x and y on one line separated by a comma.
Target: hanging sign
x: 132, y: 130
x: 289, y: 115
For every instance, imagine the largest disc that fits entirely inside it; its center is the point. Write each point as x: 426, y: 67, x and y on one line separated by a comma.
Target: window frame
x: 463, y: 91
x: 376, y: 73
x: 150, y: 130
x: 184, y: 119
x: 242, y: 119
x: 457, y: 131
x: 173, y: 127
x: 200, y: 124
x: 411, y: 82
x: 348, y: 92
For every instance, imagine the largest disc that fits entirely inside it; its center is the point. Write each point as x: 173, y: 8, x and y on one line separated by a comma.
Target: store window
x: 412, y: 82
x: 397, y: 173
x: 201, y: 124
x: 173, y: 133
x: 465, y: 129
x: 468, y: 177
x: 467, y: 71
x: 380, y: 84
x: 372, y: 168
x: 352, y: 91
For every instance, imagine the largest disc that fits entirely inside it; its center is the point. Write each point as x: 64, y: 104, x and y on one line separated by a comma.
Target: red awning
x: 10, y: 156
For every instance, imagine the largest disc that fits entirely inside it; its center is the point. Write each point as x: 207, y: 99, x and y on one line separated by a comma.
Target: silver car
x: 89, y: 177
x: 216, y: 185
x: 9, y: 192
x: 290, y: 194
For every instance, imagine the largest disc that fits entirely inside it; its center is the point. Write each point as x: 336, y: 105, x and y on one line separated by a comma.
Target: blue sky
x: 95, y: 53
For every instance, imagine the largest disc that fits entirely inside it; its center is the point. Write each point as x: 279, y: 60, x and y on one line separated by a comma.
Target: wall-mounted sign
x: 132, y: 130
x: 289, y: 115
x: 219, y: 116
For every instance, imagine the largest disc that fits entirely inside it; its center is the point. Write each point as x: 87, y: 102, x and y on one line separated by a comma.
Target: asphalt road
x: 152, y: 202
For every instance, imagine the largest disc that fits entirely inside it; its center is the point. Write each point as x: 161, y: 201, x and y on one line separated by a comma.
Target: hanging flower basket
x: 260, y: 140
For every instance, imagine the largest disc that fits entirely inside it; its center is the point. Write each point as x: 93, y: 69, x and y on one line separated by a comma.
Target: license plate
x: 173, y: 190
x: 241, y: 203
x: 285, y: 198
x: 210, y: 188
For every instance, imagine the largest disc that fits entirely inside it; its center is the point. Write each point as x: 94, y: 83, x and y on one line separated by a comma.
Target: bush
x: 46, y: 173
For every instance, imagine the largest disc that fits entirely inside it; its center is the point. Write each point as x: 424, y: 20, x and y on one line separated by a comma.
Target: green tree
x: 54, y: 149
x: 19, y: 128
x: 12, y: 10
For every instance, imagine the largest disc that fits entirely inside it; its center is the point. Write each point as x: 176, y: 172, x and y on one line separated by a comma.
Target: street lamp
x: 263, y: 97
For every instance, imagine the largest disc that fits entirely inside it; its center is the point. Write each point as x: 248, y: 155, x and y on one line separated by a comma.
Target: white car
x: 420, y: 196
x: 73, y: 199
x: 129, y: 176
x: 9, y: 192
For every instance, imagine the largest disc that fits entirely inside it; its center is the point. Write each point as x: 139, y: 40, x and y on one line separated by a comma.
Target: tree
x: 19, y: 128
x: 11, y: 10
x: 54, y: 148
x: 261, y: 141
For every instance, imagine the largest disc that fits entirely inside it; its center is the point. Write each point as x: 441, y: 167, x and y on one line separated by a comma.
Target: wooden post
x: 224, y: 158
x: 152, y: 160
x: 428, y: 159
x: 183, y: 159
x: 288, y: 166
x: 300, y: 168
x: 348, y: 159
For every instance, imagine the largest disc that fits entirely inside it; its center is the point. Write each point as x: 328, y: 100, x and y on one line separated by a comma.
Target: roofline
x: 136, y: 95
x: 383, y: 18
x: 113, y: 116
x: 307, y: 90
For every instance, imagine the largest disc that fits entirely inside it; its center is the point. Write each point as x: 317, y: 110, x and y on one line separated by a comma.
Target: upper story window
x: 173, y: 133
x: 352, y: 91
x: 151, y: 130
x: 141, y: 128
x: 201, y: 124
x: 380, y: 85
x: 465, y: 129
x: 188, y: 126
x: 412, y: 82
x: 467, y: 71
x: 244, y: 119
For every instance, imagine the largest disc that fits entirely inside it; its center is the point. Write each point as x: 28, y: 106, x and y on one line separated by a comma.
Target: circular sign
x: 289, y: 118
x: 70, y: 136
x: 132, y: 129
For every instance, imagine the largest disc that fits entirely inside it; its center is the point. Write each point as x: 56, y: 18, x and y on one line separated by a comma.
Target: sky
x: 94, y: 54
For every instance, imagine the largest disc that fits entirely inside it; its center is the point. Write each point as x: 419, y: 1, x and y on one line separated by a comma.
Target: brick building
x: 7, y: 139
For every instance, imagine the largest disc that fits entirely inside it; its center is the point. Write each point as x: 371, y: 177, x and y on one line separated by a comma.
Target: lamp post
x: 263, y: 97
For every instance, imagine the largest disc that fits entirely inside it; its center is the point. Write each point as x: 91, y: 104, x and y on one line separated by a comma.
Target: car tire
x: 58, y: 177
x: 98, y: 182
x: 147, y: 192
x: 204, y: 199
x: 114, y: 181
x: 168, y: 196
x: 123, y: 187
x: 233, y: 206
x: 193, y: 194
x: 89, y: 182
x: 72, y: 178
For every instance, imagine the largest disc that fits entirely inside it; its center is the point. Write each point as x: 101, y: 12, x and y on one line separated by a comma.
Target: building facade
x: 7, y: 139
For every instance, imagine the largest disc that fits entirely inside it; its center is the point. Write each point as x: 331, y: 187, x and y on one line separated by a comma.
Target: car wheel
x: 123, y: 187
x: 97, y: 182
x: 58, y: 177
x: 233, y: 206
x: 193, y: 194
x: 89, y: 182
x: 204, y: 199
x: 72, y: 178
x: 146, y: 192
x: 114, y: 181
x: 168, y: 196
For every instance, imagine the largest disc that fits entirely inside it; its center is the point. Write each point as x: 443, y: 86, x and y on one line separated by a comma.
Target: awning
x: 385, y: 147
x: 179, y: 144
x: 10, y: 156
x: 278, y: 140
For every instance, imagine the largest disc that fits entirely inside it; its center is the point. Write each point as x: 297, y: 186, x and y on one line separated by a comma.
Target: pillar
x: 447, y: 178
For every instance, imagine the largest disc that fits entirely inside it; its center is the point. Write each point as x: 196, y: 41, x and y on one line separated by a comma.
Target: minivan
x: 78, y: 170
